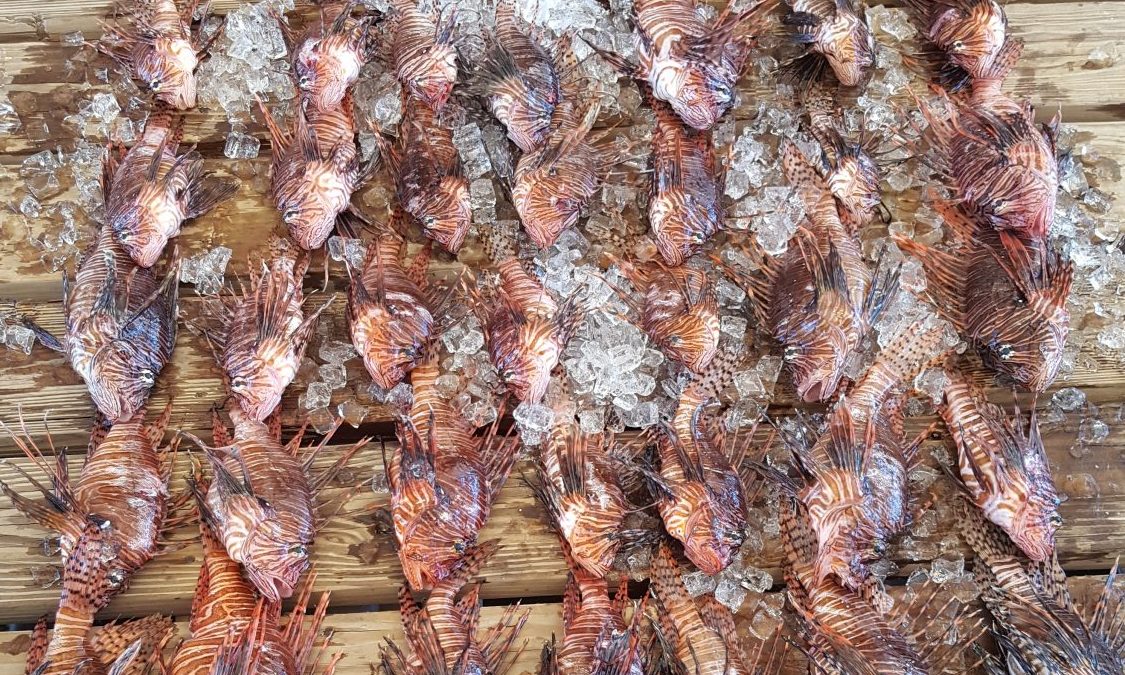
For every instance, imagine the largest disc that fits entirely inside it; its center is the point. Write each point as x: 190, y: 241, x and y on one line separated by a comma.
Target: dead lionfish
x: 442, y: 633
x: 151, y: 191
x: 262, y: 334
x: 156, y: 46
x: 123, y: 484
x: 1007, y: 297
x: 426, y: 170
x: 423, y: 51
x: 1003, y: 467
x: 698, y: 634
x: 391, y: 308
x: 818, y: 298
x: 555, y: 181
x: 263, y: 499
x: 328, y: 59
x: 1037, y: 624
x: 230, y: 626
x: 524, y: 328
x: 443, y: 481
x: 680, y: 312
x: 836, y: 34
x: 845, y: 632
x: 853, y: 473
x: 971, y: 36
x: 684, y: 208
x: 688, y: 62
x: 315, y: 170
x: 582, y: 495
x: 120, y: 327
x: 524, y: 75
x: 597, y: 638
x: 133, y: 646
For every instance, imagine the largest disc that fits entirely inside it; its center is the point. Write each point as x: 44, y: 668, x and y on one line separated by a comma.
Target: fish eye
x: 147, y: 377
x: 429, y: 221
x: 298, y: 550
x: 697, y: 237
x: 791, y: 353
x: 957, y: 45
x: 125, y: 236
x: 879, y: 546
x: 1005, y: 351
x: 116, y: 577
x: 460, y: 546
x: 552, y: 171
x: 238, y: 383
x: 303, y: 81
x: 155, y: 85
x: 290, y: 215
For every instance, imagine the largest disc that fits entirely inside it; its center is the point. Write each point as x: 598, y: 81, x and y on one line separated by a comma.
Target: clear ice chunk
x: 206, y: 270
x: 470, y: 147
x: 352, y: 411
x: 241, y: 146
x: 533, y: 417
x: 317, y: 395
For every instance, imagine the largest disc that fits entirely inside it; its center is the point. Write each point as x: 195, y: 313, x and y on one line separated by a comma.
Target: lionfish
x: 1005, y: 296
x: 853, y: 476
x: 680, y: 312
x: 151, y: 191
x: 443, y: 481
x: 555, y: 181
x: 1036, y: 622
x: 426, y: 170
x: 845, y: 632
x: 525, y: 329
x: 698, y: 487
x: 262, y: 500
x: 123, y: 485
x: 524, y: 76
x: 597, y: 638
x: 315, y: 170
x: 442, y: 633
x: 971, y: 35
x: 818, y: 298
x: 582, y: 495
x: 262, y: 334
x: 1003, y: 467
x: 328, y: 60
x: 424, y: 52
x: 699, y: 634
x: 120, y: 327
x: 391, y: 308
x: 685, y: 204
x: 230, y: 626
x: 836, y: 35
x: 156, y: 46
x: 73, y: 647
x: 688, y: 62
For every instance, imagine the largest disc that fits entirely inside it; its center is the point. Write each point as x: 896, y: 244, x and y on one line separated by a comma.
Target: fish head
x: 307, y: 209
x: 549, y: 195
x: 854, y: 182
x: 391, y: 338
x: 144, y: 245
x: 525, y: 357
x: 1034, y: 526
x: 1030, y: 352
x: 167, y: 69
x: 258, y: 385
x: 971, y: 39
x: 680, y: 225
x: 120, y: 381
x: 693, y: 339
x: 817, y: 362
x: 851, y: 52
x: 711, y: 545
x: 706, y: 92
x: 445, y: 212
x: 275, y: 566
x: 325, y: 68
x: 432, y: 77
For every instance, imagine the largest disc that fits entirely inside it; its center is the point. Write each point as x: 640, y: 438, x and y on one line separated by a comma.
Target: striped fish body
x: 523, y: 78
x: 328, y: 61
x: 687, y: 63
x: 684, y: 208
x: 1003, y: 468
x: 837, y: 30
x: 592, y: 624
x: 681, y: 315
x: 424, y: 52
x: 388, y: 313
x: 120, y: 327
x: 264, y: 333
x: 156, y: 46
x: 970, y: 33
x: 264, y: 507
x: 847, y: 168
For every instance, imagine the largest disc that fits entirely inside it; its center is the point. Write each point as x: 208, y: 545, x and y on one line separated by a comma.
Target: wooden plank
x: 359, y: 564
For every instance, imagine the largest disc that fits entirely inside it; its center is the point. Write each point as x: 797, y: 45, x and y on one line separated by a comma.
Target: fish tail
x: 1005, y: 61
x: 665, y: 581
x: 208, y: 191
x: 498, y: 241
x: 919, y: 344
x: 711, y: 381
x: 145, y: 636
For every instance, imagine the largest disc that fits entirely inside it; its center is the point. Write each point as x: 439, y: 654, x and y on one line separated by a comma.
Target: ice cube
x: 317, y: 395
x: 1068, y: 399
x: 18, y: 337
x: 72, y: 39
x: 400, y: 397
x: 734, y: 326
x: 947, y: 569
x: 354, y: 251
x: 104, y: 107
x: 592, y: 420
x: 241, y: 145
x: 337, y: 351
x: 352, y: 411
x: 932, y: 382
x: 756, y: 580
x: 206, y: 270
x: 730, y: 593
x: 533, y: 417
x: 322, y: 420
x: 333, y: 375
x: 470, y: 147
x: 698, y: 583
x: 30, y: 207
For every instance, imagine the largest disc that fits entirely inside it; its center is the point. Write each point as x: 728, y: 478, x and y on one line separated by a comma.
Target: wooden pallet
x: 354, y: 560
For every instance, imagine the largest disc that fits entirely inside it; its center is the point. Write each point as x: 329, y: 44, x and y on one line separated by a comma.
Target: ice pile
x: 378, y: 98
x: 469, y: 142
x: 468, y: 378
x: 206, y: 270
x: 64, y: 230
x: 15, y: 335
x: 732, y: 585
x: 9, y: 120
x: 346, y: 248
x: 325, y: 378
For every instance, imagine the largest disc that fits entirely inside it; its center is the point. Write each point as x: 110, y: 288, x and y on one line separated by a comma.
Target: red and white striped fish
x: 330, y: 56
x: 263, y: 499
x: 970, y: 36
x: 525, y: 330
x: 835, y: 34
x: 442, y: 633
x: 680, y: 312
x: 424, y: 52
x: 261, y: 335
x: 151, y: 191
x: 1007, y: 297
x: 315, y: 170
x: 1003, y: 467
x: 391, y: 308
x: 524, y: 75
x: 426, y: 170
x: 74, y: 646
x: 443, y: 481
x: 154, y: 41
x: 230, y: 626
